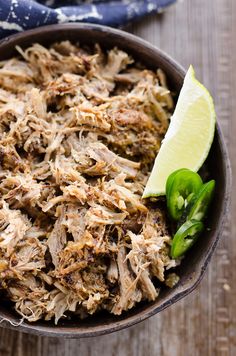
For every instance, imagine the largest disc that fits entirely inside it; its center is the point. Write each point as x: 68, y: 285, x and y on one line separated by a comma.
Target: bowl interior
x: 217, y: 165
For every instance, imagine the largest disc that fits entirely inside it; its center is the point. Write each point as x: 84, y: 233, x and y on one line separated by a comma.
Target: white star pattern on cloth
x: 16, y: 16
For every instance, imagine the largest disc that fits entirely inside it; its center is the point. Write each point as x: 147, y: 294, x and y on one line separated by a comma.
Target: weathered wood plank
x: 198, y: 32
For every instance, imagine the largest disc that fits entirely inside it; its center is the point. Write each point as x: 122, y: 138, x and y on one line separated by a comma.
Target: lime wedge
x: 189, y: 136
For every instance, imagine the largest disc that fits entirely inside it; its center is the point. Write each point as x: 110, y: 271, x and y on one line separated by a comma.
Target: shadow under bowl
x: 194, y: 265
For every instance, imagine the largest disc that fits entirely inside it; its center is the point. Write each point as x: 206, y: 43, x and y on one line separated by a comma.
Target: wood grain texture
x: 202, y: 33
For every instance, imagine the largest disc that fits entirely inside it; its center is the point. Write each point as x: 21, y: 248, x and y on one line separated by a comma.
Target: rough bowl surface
x: 195, y: 263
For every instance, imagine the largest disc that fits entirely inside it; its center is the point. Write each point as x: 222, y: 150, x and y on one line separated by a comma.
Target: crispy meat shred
x: 79, y: 132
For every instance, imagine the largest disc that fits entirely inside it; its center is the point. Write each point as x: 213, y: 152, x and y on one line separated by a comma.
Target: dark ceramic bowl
x: 196, y: 261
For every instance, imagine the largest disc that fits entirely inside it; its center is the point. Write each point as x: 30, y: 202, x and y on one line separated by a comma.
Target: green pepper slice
x: 200, y: 204
x: 185, y: 237
x: 171, y: 179
x: 181, y: 186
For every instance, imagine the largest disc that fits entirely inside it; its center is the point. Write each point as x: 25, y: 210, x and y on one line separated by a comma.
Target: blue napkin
x: 20, y: 15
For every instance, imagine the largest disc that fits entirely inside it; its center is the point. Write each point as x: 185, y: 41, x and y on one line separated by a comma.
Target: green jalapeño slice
x: 171, y: 179
x: 185, y: 237
x: 181, y: 187
x: 200, y: 204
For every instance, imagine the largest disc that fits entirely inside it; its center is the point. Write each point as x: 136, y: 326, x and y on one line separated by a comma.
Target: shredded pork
x: 79, y: 131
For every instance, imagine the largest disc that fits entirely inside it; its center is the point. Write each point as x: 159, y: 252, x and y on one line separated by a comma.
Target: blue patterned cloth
x: 20, y: 15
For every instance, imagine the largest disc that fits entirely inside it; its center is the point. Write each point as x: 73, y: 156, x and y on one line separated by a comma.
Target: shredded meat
x: 79, y: 131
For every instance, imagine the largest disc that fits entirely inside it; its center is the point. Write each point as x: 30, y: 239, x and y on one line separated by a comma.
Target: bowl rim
x: 76, y: 332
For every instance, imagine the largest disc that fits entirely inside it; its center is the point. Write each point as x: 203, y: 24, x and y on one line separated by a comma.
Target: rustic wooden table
x: 201, y: 32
